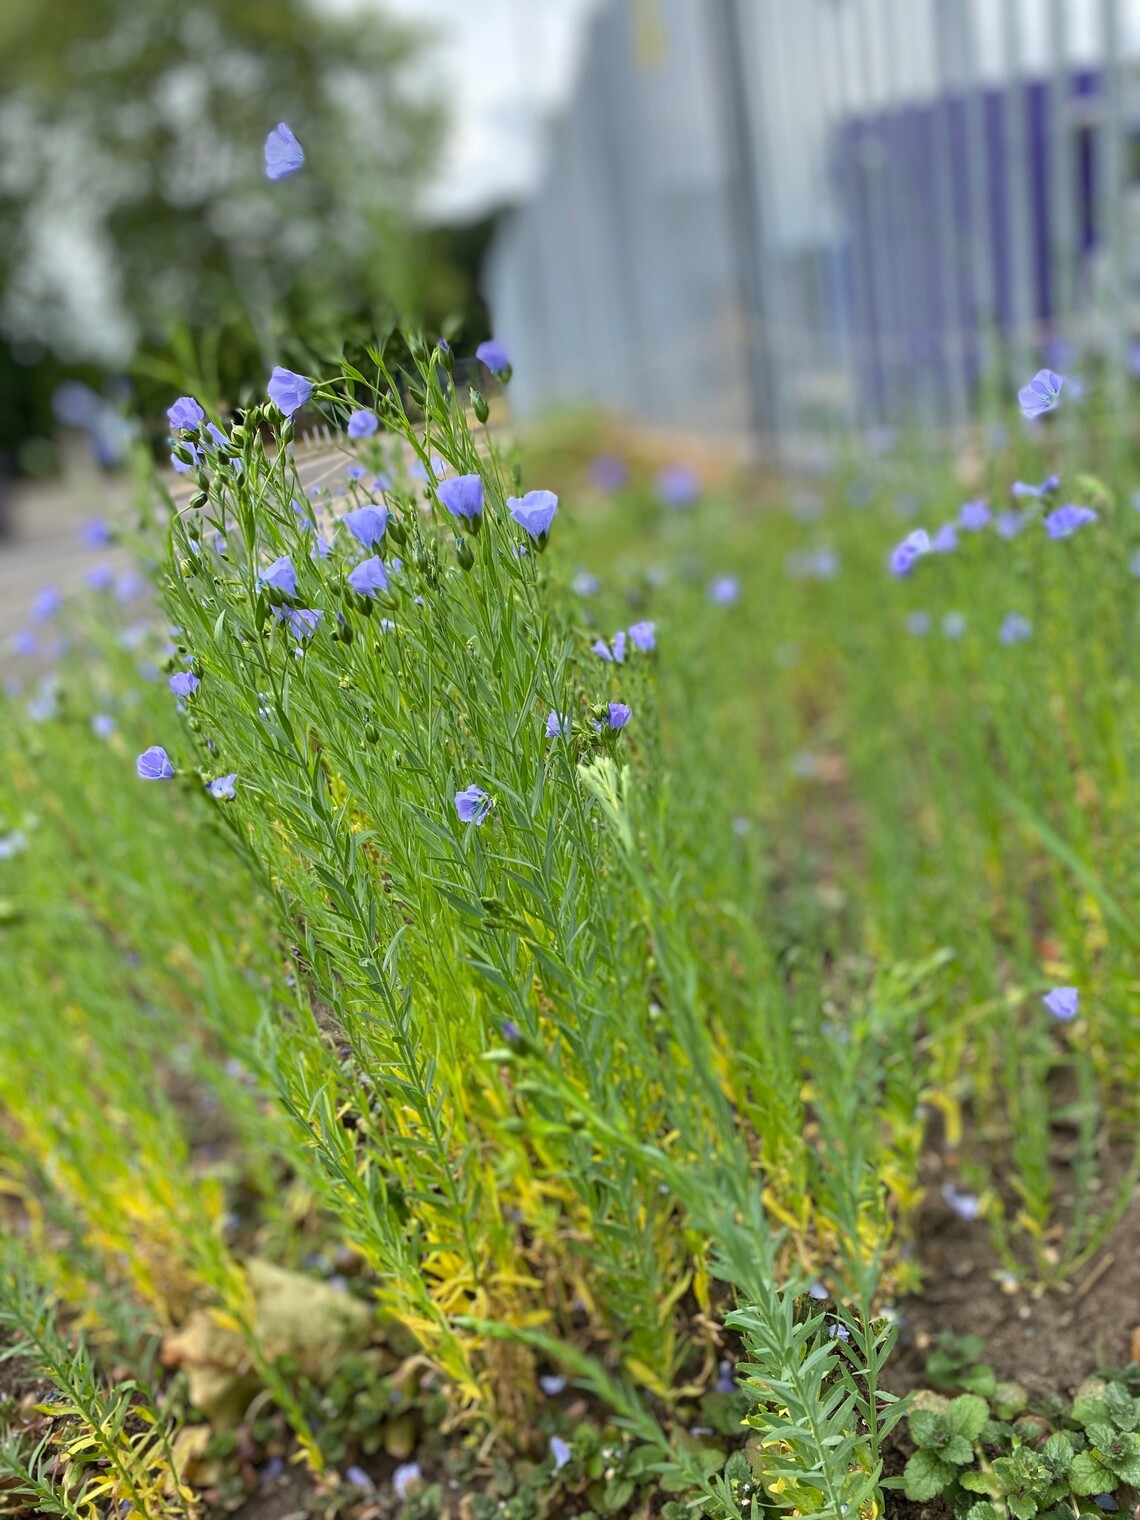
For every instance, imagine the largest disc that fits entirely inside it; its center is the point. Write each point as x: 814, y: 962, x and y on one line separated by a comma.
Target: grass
x: 627, y: 1065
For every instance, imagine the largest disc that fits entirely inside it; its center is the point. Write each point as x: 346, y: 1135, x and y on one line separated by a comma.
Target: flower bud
x: 184, y: 453
x: 479, y: 404
x: 463, y: 553
x: 396, y: 531
x: 372, y: 733
x: 287, y: 431
x: 199, y: 500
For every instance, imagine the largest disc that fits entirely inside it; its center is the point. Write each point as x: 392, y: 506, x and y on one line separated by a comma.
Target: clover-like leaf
x: 925, y: 1476
x: 1121, y: 1406
x: 1121, y: 1453
x: 1057, y: 1454
x: 1023, y: 1506
x: 957, y: 1450
x: 1087, y: 1475
x: 967, y: 1416
x: 929, y: 1428
x: 983, y: 1510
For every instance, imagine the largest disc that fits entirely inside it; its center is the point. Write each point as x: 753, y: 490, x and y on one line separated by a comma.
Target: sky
x: 504, y: 68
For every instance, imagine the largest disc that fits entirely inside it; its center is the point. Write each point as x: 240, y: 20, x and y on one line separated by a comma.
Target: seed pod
x: 479, y: 404
x: 396, y: 531
x: 372, y: 733
x: 463, y: 553
x: 199, y: 500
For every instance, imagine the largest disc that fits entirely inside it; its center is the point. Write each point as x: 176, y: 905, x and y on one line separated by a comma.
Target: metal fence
x: 776, y: 218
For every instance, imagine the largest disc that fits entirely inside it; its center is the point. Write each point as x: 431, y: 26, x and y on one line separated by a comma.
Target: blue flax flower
x: 102, y: 725
x: 283, y: 153
x: 677, y: 486
x: 1065, y: 521
x: 560, y: 1452
x: 183, y: 683
x: 557, y: 724
x: 462, y: 496
x: 614, y: 651
x: 1063, y: 1002
x: 585, y: 584
x: 1041, y: 394
x: 534, y: 512
x: 945, y: 541
x: 974, y: 516
x: 46, y: 603
x: 1021, y: 489
x: 95, y: 534
x: 724, y: 590
x: 222, y: 786
x: 367, y: 524
x: 1015, y: 629
x: 609, y: 473
x: 918, y: 623
x: 185, y: 413
x: 154, y: 764
x: 362, y: 424
x: 906, y: 555
x: 100, y: 577
x: 302, y: 620
x: 618, y: 714
x: 472, y: 804
x: 1009, y: 524
x: 288, y: 391
x: 370, y: 577
x: 643, y: 636
x: 495, y: 357
x: 280, y: 576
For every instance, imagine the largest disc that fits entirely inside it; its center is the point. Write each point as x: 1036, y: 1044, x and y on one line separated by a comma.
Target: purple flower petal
x: 288, y: 391
x: 283, y: 153
x: 154, y: 764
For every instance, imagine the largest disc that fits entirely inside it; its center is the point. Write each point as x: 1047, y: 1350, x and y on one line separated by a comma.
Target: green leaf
x: 1090, y: 1411
x: 958, y: 1450
x: 929, y: 1428
x: 983, y: 1510
x: 1088, y: 1476
x: 1023, y: 1506
x: 1121, y: 1406
x: 1057, y: 1454
x: 979, y: 1380
x: 967, y: 1416
x: 616, y: 1495
x: 925, y: 1476
x: 1009, y: 1399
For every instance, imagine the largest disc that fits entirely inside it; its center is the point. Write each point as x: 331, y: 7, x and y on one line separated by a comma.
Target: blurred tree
x: 136, y: 221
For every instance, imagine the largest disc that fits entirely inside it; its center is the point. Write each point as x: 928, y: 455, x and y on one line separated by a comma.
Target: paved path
x: 46, y: 543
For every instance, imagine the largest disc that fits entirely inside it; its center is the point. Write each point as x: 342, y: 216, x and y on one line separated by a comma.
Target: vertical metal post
x: 1016, y: 193
x: 881, y: 255
x: 746, y: 164
x: 842, y: 314
x: 949, y: 239
x: 1110, y: 219
x: 982, y: 267
x: 1061, y: 207
x: 864, y: 347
